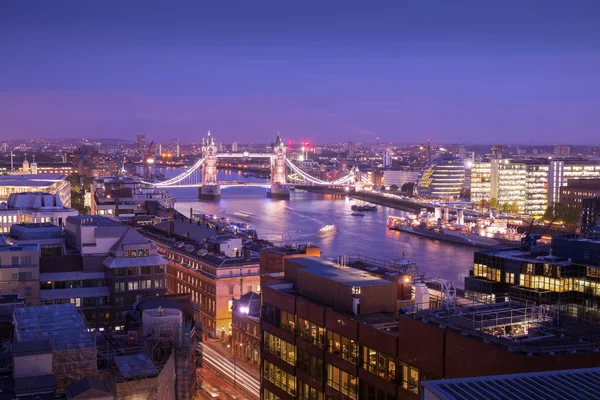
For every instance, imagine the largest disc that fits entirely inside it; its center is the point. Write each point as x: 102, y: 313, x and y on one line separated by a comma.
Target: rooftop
x: 60, y: 323
x: 346, y: 276
x: 195, y: 252
x: 10, y: 248
x: 92, y: 220
x: 569, y: 384
x: 32, y: 180
x: 518, y: 327
x: 136, y: 366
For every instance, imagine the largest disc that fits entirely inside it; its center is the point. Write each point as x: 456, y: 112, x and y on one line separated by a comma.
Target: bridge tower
x: 279, y: 188
x: 210, y: 189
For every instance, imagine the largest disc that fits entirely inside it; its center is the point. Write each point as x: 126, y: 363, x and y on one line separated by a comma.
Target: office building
x: 480, y: 183
x: 20, y: 265
x: 89, y: 161
x: 399, y: 177
x: 214, y: 275
x: 141, y: 145
x: 528, y: 186
x: 234, y: 147
x: 564, y: 278
x: 465, y: 341
x: 577, y: 190
x: 561, y: 171
x: 33, y: 207
x: 99, y: 265
x: 126, y: 198
x: 386, y: 161
x: 47, y: 183
x: 590, y: 214
x: 562, y: 150
x: 442, y: 178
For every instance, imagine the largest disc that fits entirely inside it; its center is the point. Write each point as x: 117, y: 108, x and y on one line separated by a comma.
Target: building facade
x: 20, y: 270
x: 33, y: 207
x: 443, y: 177
x: 577, y: 190
x: 45, y: 183
x: 214, y: 281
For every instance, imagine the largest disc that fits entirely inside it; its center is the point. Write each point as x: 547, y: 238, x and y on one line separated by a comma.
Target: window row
x: 282, y: 349
x: 279, y: 378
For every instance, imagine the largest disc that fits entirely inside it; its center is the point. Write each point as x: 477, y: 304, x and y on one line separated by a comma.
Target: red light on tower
x: 307, y: 144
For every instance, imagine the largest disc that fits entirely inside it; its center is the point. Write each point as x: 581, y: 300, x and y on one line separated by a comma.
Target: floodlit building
x: 47, y: 183
x: 399, y: 177
x: 33, y: 207
x: 481, y: 174
x: 442, y: 178
x: 214, y: 279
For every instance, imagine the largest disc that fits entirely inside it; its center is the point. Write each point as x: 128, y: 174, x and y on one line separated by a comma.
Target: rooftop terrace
x: 520, y: 327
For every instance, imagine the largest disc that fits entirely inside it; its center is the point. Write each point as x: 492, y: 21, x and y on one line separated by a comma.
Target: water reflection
x: 308, y: 213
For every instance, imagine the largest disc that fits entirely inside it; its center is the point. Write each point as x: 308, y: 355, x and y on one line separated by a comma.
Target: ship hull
x: 464, y: 239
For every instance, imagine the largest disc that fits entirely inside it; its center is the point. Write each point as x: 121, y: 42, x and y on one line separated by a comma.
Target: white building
x: 387, y: 158
x: 399, y: 178
x: 48, y: 183
x: 33, y: 208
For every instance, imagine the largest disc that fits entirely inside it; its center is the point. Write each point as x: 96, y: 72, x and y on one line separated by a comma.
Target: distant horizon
x: 295, y: 143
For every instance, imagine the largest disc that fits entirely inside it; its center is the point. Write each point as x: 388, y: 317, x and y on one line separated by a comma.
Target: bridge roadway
x: 225, y: 185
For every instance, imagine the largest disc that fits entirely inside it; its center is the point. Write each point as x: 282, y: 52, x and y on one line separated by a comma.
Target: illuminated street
x: 221, y: 372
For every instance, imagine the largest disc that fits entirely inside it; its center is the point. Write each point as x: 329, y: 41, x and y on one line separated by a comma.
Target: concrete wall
x: 33, y: 365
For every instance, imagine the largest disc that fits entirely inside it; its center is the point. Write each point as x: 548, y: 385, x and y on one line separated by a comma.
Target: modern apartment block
x: 590, y: 215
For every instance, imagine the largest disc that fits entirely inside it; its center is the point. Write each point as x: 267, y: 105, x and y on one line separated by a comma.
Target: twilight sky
x: 467, y: 71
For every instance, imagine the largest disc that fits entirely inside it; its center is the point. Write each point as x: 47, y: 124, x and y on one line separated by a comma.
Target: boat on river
x: 487, y: 233
x: 364, y: 207
x: 357, y: 214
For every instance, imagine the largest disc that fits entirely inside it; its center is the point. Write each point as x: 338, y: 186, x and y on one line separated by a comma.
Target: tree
x: 493, y: 203
x: 564, y: 213
x: 393, y: 188
x: 78, y: 192
x: 506, y: 207
x: 408, y: 188
x: 514, y: 207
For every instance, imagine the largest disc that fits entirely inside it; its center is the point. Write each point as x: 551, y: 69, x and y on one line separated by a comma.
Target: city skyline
x: 467, y: 72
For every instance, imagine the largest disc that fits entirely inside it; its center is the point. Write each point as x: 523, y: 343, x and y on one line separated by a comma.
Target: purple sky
x: 451, y: 71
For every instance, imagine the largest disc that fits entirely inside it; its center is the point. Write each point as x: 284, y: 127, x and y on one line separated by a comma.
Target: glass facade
x: 442, y: 178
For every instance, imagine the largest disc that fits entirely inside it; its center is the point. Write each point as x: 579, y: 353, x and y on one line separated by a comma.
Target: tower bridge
x: 203, y: 173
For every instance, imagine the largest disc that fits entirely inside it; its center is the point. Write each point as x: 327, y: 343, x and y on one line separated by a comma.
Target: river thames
x: 303, y: 216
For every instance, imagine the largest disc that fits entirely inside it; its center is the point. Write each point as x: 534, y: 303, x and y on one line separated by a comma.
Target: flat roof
x: 518, y: 327
x: 136, y: 366
x: 565, y: 384
x: 56, y: 294
x: 93, y: 220
x: 345, y: 275
x: 60, y: 323
x: 9, y: 248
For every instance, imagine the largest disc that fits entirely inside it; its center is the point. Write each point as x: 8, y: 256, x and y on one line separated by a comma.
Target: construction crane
x: 147, y: 159
x: 529, y: 241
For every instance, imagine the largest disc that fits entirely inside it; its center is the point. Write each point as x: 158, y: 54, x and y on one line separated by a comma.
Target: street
x: 226, y: 377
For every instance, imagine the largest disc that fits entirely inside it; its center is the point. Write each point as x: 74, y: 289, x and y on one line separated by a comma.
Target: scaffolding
x: 74, y: 353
